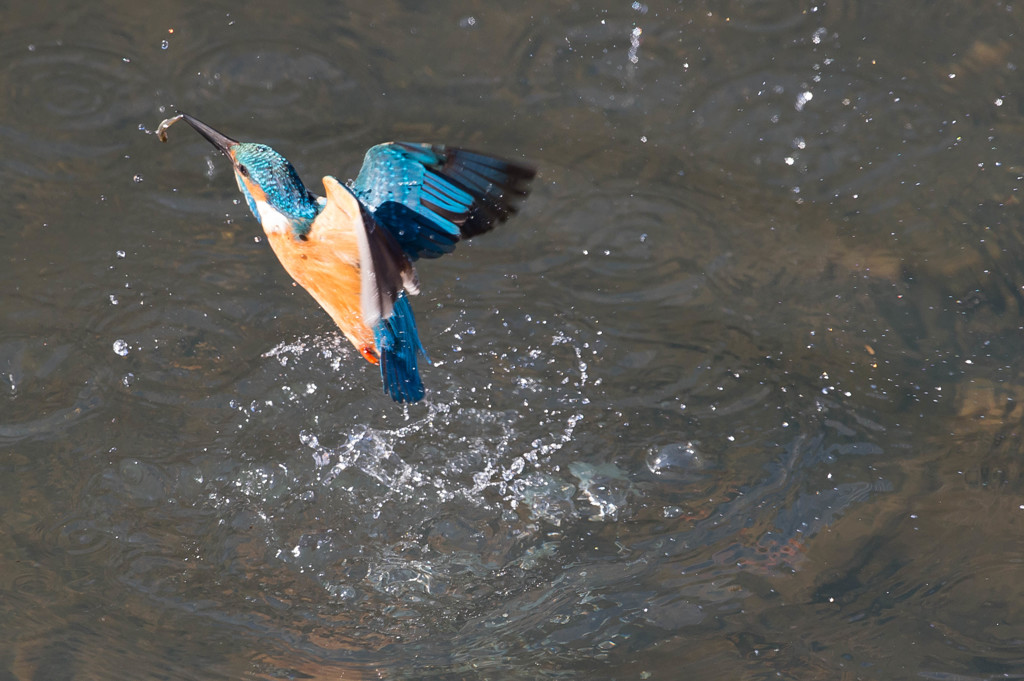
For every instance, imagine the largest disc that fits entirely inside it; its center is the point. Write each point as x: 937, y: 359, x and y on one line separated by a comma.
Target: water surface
x: 734, y: 397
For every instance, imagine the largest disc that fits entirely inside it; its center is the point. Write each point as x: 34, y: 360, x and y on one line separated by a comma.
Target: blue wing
x: 429, y: 196
x: 399, y: 343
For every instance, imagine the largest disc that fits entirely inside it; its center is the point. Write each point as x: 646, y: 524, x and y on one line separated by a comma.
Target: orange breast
x: 327, y: 265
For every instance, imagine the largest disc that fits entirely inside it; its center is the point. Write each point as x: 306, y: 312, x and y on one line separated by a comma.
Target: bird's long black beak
x: 222, y: 142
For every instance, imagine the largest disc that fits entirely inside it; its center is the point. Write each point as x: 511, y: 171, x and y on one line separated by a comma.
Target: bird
x: 354, y: 248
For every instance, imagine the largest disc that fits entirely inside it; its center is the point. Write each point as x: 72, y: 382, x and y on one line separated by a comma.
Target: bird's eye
x: 245, y: 171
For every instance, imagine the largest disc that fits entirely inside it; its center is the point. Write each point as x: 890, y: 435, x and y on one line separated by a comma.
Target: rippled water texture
x: 734, y: 397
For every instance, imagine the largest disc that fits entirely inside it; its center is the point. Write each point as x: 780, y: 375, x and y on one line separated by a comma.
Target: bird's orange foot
x: 369, y: 353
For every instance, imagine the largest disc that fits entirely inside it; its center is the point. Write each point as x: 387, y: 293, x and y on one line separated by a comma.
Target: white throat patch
x: 273, y: 221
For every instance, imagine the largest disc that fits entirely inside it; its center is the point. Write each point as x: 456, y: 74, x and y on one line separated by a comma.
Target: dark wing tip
x: 496, y: 185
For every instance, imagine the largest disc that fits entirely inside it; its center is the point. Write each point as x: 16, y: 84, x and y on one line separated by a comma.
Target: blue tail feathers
x: 398, y: 344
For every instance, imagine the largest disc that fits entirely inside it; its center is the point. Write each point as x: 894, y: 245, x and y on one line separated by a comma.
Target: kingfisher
x: 353, y: 249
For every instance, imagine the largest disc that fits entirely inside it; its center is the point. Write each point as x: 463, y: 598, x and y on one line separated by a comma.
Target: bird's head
x: 272, y: 188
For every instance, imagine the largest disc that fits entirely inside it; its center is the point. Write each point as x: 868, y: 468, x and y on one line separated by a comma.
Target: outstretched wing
x: 429, y: 196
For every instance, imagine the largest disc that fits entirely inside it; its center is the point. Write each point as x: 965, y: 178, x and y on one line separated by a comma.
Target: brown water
x: 735, y: 397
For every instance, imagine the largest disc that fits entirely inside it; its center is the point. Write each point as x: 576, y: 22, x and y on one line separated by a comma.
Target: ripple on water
x: 173, y: 354
x: 73, y: 96
x: 40, y: 403
x: 821, y: 137
x: 666, y: 238
x: 269, y: 75
x: 613, y: 62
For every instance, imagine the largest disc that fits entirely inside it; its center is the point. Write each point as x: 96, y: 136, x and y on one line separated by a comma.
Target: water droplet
x: 121, y: 347
x: 802, y: 99
x: 113, y: 299
x: 164, y: 44
x: 120, y: 254
x: 634, y: 44
x: 137, y: 179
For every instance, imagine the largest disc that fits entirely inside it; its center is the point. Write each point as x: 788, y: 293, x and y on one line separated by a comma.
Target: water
x: 734, y: 397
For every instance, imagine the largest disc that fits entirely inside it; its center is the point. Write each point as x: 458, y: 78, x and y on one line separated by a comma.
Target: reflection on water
x: 735, y: 397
